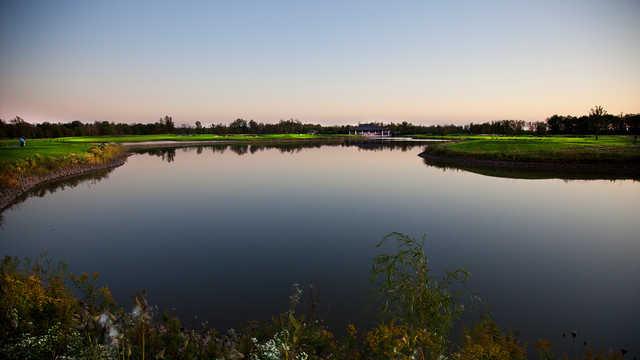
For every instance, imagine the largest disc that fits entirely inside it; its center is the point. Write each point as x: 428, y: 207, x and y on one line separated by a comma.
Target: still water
x: 222, y: 232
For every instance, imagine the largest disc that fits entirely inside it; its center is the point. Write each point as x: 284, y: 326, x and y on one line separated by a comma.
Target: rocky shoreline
x: 9, y: 195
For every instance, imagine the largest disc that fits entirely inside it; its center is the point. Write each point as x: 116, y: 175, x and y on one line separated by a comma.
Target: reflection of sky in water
x: 224, y: 236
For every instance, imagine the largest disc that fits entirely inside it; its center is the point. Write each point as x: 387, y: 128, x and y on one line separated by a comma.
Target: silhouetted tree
x: 596, y: 115
x: 238, y: 126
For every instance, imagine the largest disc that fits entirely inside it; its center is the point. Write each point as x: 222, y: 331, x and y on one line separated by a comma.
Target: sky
x: 328, y: 62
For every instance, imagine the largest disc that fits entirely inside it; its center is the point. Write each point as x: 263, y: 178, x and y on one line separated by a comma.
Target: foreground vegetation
x: 42, y: 317
x: 539, y: 148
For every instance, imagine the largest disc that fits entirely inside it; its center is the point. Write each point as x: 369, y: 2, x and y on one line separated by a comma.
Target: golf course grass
x: 538, y: 148
x: 42, y: 159
x: 46, y: 148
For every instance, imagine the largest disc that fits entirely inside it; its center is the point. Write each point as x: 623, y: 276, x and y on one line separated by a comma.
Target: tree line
x: 597, y: 122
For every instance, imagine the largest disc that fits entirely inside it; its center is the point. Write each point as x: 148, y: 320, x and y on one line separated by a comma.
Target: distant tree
x: 554, y: 124
x: 596, y: 116
x: 166, y: 124
x: 632, y: 124
x: 254, y: 126
x: 596, y: 122
x: 539, y: 127
x: 21, y: 127
x: 238, y: 126
x: 4, y: 129
x: 597, y: 111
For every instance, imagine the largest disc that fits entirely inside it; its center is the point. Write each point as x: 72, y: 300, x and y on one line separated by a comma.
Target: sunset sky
x: 329, y: 62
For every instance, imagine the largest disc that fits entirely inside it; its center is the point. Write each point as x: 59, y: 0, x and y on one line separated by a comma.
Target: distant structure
x: 370, y: 130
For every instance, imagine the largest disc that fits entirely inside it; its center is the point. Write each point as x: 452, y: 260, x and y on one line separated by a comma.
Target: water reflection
x: 555, y: 172
x: 169, y: 154
x: 54, y: 186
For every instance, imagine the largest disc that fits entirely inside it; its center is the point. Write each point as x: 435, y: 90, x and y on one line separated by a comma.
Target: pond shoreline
x: 571, y: 169
x: 8, y: 196
x: 578, y: 170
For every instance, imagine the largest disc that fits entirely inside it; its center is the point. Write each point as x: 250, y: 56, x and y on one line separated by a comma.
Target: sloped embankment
x: 18, y: 178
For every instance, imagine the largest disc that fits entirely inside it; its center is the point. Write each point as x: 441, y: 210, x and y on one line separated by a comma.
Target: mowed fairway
x: 548, y: 148
x: 10, y: 151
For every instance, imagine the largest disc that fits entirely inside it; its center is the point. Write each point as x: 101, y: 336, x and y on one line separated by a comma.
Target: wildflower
x: 104, y: 320
x: 137, y: 311
x: 114, y: 335
x: 113, y: 332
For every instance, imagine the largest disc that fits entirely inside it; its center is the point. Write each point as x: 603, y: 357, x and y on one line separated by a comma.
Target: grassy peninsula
x: 538, y: 148
x: 20, y: 167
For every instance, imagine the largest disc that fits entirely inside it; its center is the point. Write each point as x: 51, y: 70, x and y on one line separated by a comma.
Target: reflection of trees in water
x: 217, y: 149
x: 239, y: 149
x: 51, y: 187
x: 169, y: 154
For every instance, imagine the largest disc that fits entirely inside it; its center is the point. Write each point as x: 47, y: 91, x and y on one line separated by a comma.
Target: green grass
x: 43, y: 156
x: 199, y: 137
x: 64, y: 146
x: 536, y: 148
x: 50, y: 148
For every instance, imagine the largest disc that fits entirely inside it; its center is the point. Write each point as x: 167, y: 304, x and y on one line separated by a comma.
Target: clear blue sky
x: 322, y: 61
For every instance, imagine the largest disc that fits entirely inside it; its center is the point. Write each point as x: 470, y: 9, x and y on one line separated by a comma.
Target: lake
x: 220, y: 233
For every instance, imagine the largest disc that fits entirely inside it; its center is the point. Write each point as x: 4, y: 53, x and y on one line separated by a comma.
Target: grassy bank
x: 43, y: 156
x: 542, y: 149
